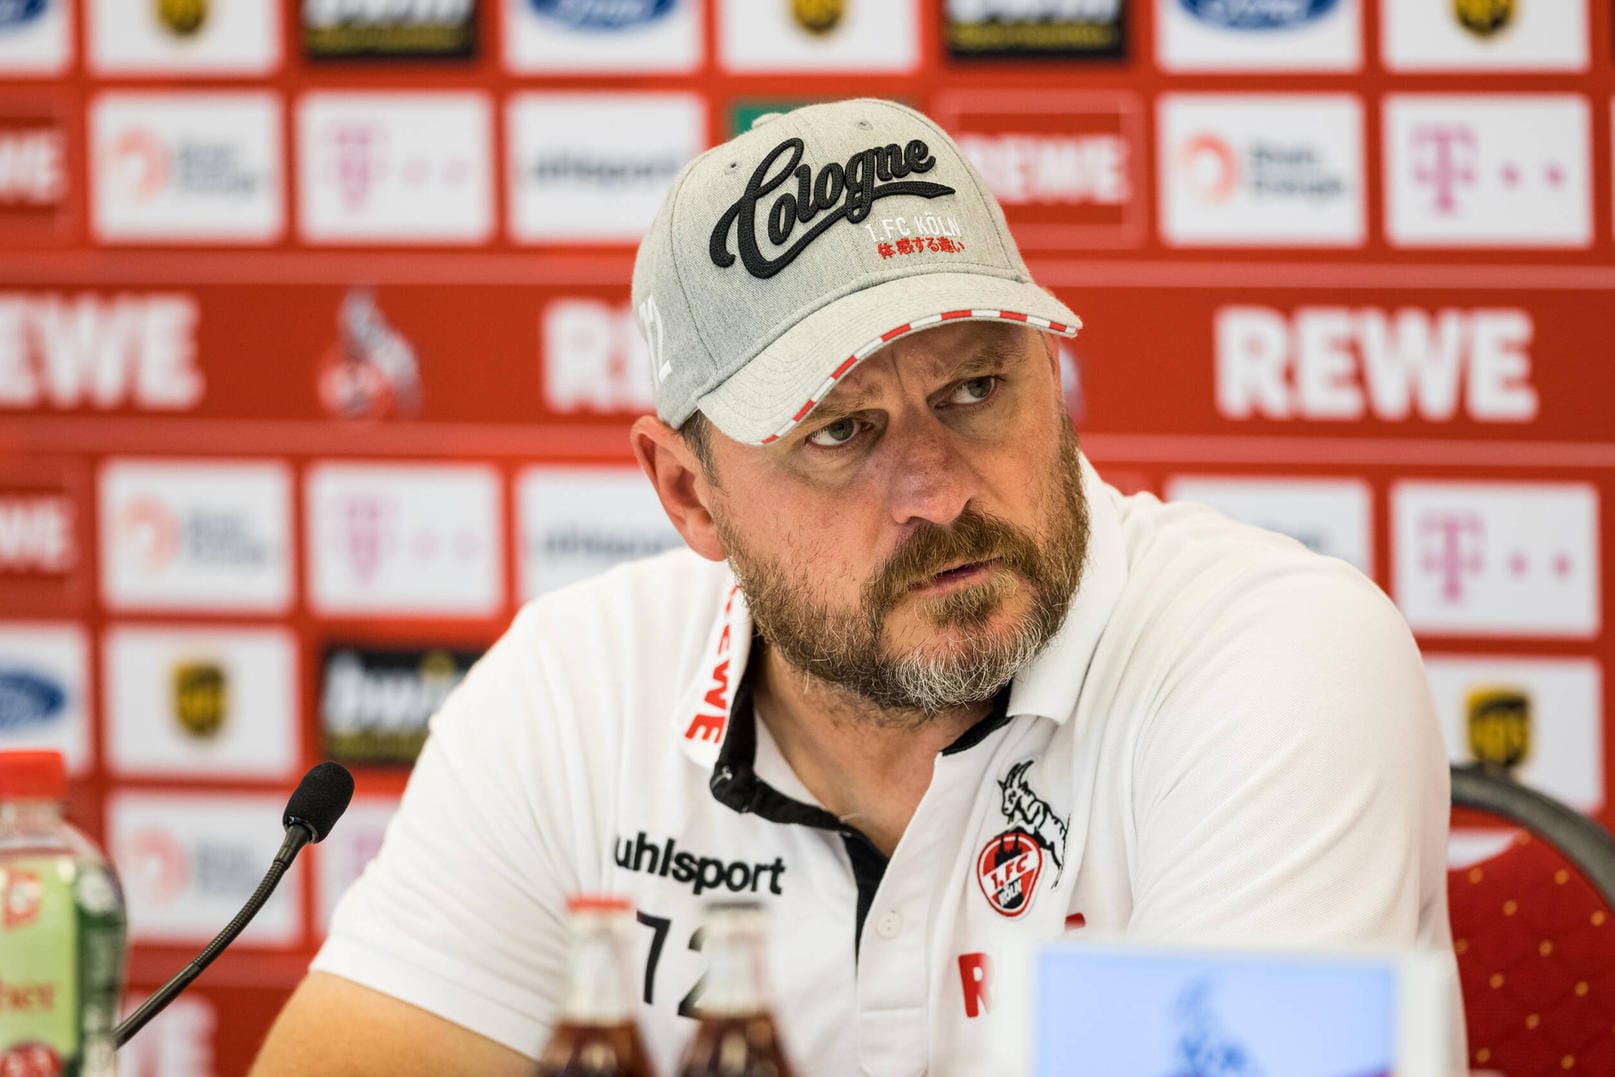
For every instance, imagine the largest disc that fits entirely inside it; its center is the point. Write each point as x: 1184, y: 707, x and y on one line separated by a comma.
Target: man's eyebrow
x: 989, y: 356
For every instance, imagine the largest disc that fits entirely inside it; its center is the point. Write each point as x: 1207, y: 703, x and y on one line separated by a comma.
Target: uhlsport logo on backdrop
x: 1331, y: 363
x: 225, y: 37
x: 1542, y: 719
x: 781, y: 35
x: 66, y: 352
x: 196, y: 535
x: 44, y: 690
x: 404, y: 539
x: 1271, y: 35
x: 593, y: 168
x: 375, y: 701
x: 178, y: 167
x: 34, y: 173
x: 185, y: 860
x: 577, y: 522
x: 1261, y: 171
x: 1062, y: 166
x: 35, y: 37
x: 202, y: 701
x: 1333, y: 517
x: 394, y: 168
x: 1487, y: 170
x: 400, y: 29
x: 1496, y: 559
x: 605, y: 36
x: 370, y: 371
x: 1008, y: 29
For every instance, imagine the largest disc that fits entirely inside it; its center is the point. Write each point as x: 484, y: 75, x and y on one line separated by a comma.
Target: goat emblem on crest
x: 1023, y: 806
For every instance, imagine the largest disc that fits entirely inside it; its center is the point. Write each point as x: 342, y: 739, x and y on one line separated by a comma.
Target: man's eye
x: 975, y: 390
x: 837, y: 433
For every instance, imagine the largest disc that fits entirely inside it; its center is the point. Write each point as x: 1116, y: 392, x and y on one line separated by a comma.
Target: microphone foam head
x: 320, y: 799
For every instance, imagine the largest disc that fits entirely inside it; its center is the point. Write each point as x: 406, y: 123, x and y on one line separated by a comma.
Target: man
x: 922, y: 683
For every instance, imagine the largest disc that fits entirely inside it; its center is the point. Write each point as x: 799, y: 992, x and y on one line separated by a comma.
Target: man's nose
x: 928, y: 477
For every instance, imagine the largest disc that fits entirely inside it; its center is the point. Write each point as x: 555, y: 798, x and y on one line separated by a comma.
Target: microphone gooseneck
x: 318, y: 802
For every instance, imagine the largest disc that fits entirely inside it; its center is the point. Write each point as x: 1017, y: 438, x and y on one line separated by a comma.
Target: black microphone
x: 315, y: 806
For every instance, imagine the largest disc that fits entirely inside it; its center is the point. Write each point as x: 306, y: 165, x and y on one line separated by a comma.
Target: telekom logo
x: 356, y: 149
x: 1444, y: 160
x: 1453, y: 542
x: 364, y: 520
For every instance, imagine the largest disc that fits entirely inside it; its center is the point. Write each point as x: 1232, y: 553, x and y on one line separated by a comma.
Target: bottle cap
x: 33, y: 775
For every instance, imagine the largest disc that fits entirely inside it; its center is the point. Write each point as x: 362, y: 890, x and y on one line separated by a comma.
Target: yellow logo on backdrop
x: 1499, y: 726
x: 1484, y: 17
x: 183, y: 17
x: 201, y: 697
x: 818, y: 16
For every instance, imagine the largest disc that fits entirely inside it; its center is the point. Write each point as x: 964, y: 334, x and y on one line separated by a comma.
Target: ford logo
x: 27, y: 699
x: 17, y: 12
x: 1258, y: 14
x: 599, y: 14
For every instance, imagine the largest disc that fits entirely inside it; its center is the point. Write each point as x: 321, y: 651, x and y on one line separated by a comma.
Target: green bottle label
x: 61, y: 966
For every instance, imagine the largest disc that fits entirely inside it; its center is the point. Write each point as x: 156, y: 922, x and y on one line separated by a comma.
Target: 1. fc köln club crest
x: 1008, y: 870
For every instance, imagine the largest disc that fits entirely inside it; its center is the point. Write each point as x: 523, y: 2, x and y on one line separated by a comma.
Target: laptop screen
x: 1141, y: 1013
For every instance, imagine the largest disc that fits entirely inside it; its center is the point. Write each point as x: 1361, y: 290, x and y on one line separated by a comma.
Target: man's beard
x: 848, y: 648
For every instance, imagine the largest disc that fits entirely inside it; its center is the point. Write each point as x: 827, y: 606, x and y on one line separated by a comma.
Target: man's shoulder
x: 1195, y: 569
x: 654, y: 608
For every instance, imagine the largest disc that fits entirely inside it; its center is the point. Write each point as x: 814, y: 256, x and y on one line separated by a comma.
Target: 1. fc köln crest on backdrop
x: 1008, y: 869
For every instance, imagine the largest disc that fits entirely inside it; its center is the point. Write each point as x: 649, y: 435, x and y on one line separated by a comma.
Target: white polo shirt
x: 1229, y: 739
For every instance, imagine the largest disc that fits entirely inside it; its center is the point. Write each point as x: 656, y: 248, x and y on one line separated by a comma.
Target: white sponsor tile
x: 186, y: 167
x: 1487, y: 170
x: 767, y: 37
x: 594, y: 168
x: 1522, y: 35
x: 594, y: 359
x: 342, y: 857
x: 1261, y: 170
x: 551, y: 36
x: 36, y: 37
x: 230, y: 38
x: 203, y: 535
x: 1333, y: 517
x: 201, y: 701
x: 1496, y: 559
x: 1566, y: 707
x: 45, y: 690
x: 177, y: 1043
x: 576, y: 522
x: 404, y: 539
x: 189, y: 861
x: 394, y: 168
x: 1237, y: 35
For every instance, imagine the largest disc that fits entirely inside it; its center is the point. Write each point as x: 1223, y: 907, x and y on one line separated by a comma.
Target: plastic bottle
x: 61, y: 930
x: 736, y: 1036
x: 597, y: 1035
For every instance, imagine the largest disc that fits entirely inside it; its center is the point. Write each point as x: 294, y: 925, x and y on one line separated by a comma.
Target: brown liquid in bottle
x: 735, y: 1047
x: 736, y: 1036
x: 578, y: 1050
x: 595, y: 1035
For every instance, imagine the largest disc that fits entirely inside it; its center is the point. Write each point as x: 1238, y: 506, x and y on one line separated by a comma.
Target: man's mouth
x: 955, y: 576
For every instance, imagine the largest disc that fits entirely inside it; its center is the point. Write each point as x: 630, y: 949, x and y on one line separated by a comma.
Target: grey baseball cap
x: 783, y: 258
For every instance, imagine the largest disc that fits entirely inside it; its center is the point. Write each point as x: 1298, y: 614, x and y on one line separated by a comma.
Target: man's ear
x: 680, y: 483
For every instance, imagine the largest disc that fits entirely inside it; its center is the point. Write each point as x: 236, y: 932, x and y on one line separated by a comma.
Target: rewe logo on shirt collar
x: 854, y: 185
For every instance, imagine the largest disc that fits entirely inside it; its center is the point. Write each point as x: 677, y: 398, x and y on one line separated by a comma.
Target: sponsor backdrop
x: 316, y: 357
